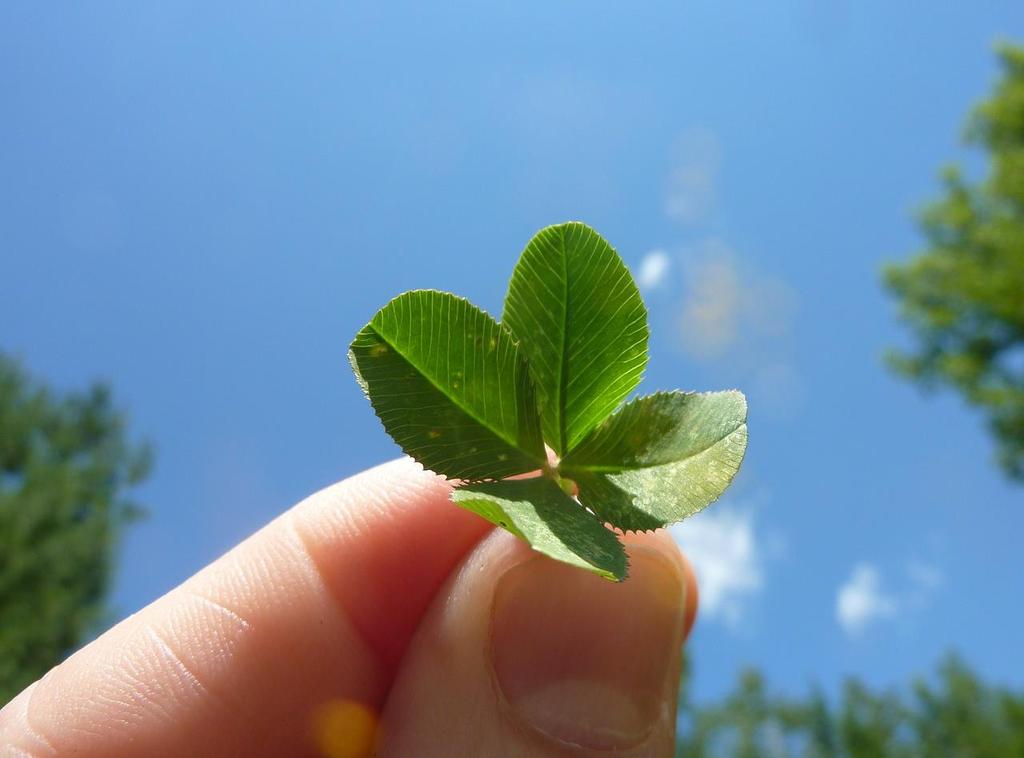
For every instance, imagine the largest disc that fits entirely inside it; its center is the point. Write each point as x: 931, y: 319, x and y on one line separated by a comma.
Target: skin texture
x: 376, y: 618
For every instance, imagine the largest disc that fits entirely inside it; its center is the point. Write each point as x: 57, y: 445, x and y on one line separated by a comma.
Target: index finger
x: 317, y: 607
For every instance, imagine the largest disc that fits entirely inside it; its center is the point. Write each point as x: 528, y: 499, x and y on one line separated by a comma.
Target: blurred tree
x: 963, y: 716
x: 956, y: 715
x: 869, y: 724
x: 964, y: 295
x: 64, y: 467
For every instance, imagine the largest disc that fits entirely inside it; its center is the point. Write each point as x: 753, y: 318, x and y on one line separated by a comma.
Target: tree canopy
x: 963, y: 296
x: 65, y: 467
x: 951, y: 714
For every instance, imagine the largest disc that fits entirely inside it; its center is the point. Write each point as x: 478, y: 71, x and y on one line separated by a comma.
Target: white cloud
x: 730, y: 315
x: 730, y: 307
x: 653, y: 269
x: 926, y: 580
x: 925, y: 576
x: 693, y: 176
x: 710, y: 319
x: 861, y: 600
x: 724, y: 549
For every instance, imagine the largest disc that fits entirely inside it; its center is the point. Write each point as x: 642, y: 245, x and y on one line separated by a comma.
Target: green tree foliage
x: 65, y: 464
x: 964, y: 295
x: 954, y: 714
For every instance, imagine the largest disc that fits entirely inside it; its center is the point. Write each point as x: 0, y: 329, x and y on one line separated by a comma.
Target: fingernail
x: 585, y: 661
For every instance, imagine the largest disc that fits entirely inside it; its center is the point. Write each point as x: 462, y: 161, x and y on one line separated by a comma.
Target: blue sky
x: 202, y: 203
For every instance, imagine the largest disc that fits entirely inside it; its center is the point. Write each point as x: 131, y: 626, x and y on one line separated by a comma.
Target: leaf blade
x: 661, y: 458
x: 450, y: 386
x: 552, y: 523
x: 578, y: 314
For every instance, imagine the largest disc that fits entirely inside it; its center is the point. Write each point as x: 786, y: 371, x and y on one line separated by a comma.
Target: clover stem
x: 568, y: 486
x: 550, y: 470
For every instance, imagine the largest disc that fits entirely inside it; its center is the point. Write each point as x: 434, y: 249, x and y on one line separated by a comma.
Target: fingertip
x: 316, y: 608
x: 663, y: 542
x: 546, y: 658
x: 383, y: 541
x: 692, y: 597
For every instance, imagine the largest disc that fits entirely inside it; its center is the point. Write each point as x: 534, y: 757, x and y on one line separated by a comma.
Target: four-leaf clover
x: 476, y: 400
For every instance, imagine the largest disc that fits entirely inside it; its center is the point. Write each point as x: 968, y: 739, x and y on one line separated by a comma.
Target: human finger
x: 521, y: 655
x: 311, y: 612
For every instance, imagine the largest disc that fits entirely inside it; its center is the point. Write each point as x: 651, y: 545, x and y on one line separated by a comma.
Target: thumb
x: 521, y: 655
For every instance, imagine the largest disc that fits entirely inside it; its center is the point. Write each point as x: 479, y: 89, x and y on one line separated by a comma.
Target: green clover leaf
x: 578, y: 315
x: 476, y: 401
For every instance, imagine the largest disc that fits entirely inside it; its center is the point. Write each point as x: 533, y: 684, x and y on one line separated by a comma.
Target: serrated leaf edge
x: 363, y: 384
x: 508, y: 528
x: 569, y: 468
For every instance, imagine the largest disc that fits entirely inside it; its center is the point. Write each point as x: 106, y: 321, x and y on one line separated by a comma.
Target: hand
x: 376, y: 610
